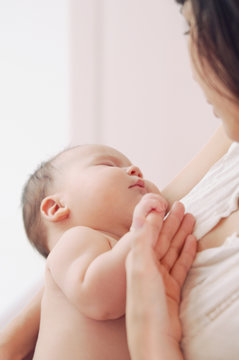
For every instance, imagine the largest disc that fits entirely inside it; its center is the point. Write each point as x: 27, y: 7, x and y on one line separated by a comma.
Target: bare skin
x: 157, y: 336
x: 18, y: 339
x: 193, y: 172
x: 96, y: 316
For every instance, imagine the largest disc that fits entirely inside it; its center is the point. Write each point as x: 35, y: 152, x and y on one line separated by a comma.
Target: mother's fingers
x: 185, y: 260
x: 185, y: 228
x: 169, y: 229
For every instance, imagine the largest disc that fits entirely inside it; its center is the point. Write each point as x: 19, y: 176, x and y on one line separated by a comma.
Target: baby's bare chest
x: 103, y: 340
x: 66, y: 333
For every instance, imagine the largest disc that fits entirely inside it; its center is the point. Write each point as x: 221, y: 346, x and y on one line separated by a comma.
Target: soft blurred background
x: 81, y: 71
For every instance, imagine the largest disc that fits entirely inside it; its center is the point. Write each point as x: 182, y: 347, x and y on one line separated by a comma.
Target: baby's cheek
x: 152, y: 188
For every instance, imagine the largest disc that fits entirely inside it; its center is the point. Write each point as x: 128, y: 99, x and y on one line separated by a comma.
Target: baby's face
x: 101, y: 188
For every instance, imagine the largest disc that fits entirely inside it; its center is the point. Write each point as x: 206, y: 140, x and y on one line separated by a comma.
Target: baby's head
x: 90, y: 185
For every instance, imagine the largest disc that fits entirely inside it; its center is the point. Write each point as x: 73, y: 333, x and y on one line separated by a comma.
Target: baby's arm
x: 90, y: 273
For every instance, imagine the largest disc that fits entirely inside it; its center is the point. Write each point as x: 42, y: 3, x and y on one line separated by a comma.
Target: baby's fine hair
x: 38, y: 186
x: 35, y: 190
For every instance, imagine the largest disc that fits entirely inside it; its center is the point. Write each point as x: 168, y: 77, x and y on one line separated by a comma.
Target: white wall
x: 34, y: 112
x: 143, y: 99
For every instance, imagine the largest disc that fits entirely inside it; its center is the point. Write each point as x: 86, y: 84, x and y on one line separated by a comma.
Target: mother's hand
x: 155, y: 275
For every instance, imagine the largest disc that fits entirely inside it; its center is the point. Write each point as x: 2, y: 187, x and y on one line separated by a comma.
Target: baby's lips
x: 139, y: 183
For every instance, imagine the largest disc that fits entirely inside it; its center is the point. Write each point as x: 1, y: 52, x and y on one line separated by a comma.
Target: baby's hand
x: 148, y: 216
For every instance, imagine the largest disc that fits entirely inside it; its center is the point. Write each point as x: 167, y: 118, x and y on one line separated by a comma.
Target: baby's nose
x: 134, y: 170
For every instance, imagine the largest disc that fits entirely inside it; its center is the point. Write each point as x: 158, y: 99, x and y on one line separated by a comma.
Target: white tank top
x: 210, y: 299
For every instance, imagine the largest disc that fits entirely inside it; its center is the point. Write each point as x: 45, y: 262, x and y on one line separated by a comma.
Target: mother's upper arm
x: 217, y: 146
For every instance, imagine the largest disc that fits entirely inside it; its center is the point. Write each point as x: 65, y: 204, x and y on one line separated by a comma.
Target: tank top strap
x: 216, y: 195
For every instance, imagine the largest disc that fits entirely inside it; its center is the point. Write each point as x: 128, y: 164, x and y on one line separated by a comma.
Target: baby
x: 78, y: 209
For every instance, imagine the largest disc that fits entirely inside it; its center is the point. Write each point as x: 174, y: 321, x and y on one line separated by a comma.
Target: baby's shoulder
x: 77, y: 240
x: 81, y: 232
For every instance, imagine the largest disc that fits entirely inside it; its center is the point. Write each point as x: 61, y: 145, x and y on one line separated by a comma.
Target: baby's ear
x: 53, y: 209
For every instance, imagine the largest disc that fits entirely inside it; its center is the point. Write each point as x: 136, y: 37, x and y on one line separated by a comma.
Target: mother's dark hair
x: 217, y: 38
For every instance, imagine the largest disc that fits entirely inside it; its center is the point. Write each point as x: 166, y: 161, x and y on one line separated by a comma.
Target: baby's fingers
x: 185, y: 260
x: 148, y: 219
x: 149, y: 203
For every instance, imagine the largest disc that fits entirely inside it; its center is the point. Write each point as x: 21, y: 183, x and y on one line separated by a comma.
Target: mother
x: 210, y: 300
